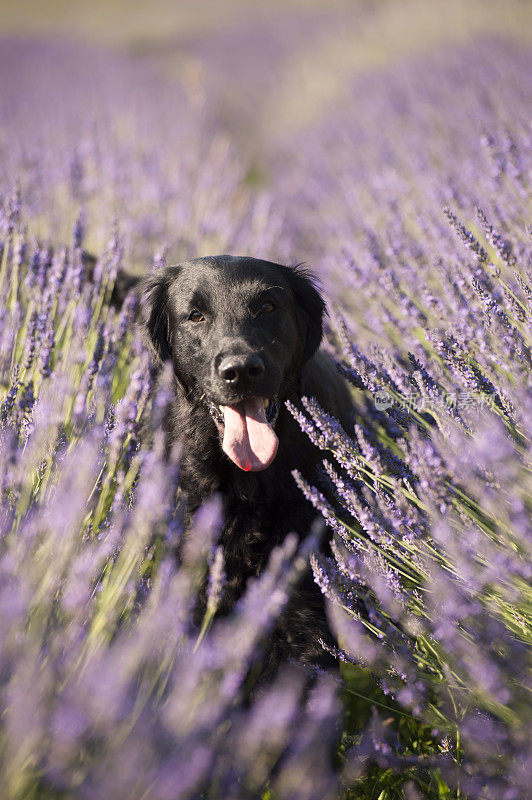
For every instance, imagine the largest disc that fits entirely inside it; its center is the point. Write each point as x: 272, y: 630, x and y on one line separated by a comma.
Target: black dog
x: 243, y: 337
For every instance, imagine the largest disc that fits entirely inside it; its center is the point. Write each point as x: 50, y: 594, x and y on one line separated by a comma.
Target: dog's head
x: 238, y: 331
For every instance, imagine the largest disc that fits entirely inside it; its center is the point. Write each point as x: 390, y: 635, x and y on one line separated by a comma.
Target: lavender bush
x: 413, y: 203
x: 109, y: 688
x: 430, y: 493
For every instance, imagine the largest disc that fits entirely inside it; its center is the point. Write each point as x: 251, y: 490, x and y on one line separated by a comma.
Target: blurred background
x: 255, y: 79
x: 268, y: 69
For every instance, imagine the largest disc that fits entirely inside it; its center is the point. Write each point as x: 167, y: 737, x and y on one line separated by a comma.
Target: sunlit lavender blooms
x: 412, y: 203
x: 429, y: 494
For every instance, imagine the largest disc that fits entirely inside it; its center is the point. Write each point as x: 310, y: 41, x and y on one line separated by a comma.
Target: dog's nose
x: 240, y: 368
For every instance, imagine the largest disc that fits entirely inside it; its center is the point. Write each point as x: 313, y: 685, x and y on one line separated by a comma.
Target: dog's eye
x: 267, y: 307
x: 196, y: 316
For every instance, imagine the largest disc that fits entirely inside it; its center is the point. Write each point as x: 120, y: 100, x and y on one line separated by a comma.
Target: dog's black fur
x: 210, y: 312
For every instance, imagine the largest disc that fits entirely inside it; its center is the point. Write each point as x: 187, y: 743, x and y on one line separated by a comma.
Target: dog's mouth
x: 248, y: 438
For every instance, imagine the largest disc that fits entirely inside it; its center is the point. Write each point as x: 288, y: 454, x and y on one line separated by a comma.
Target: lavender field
x: 390, y: 149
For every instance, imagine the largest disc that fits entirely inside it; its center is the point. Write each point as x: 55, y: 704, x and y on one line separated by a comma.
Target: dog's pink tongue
x: 249, y: 439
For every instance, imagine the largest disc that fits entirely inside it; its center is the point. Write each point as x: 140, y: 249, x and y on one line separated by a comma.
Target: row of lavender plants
x: 430, y: 503
x: 427, y: 252
x: 108, y: 687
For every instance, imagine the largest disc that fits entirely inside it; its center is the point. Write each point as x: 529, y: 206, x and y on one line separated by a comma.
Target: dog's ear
x: 310, y: 308
x: 153, y: 292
